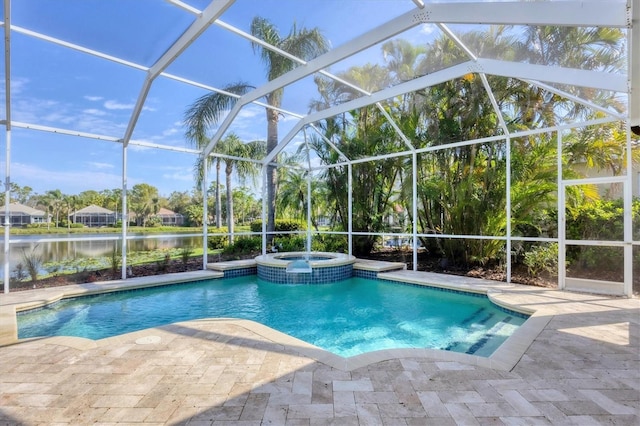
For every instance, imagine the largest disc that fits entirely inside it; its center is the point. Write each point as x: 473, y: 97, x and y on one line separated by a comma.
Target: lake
x: 90, y: 246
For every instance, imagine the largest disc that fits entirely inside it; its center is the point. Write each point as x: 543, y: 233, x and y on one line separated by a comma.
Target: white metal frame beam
x: 634, y: 67
x: 7, y: 125
x: 608, y: 13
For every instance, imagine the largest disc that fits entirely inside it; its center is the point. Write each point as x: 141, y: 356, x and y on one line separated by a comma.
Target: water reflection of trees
x: 63, y: 251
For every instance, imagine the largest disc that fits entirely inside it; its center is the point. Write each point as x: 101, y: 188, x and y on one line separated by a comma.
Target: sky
x: 58, y: 87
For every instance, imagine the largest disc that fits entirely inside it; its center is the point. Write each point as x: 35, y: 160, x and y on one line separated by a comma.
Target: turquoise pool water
x: 347, y: 318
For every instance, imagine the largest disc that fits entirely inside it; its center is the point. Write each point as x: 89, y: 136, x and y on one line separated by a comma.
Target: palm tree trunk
x: 272, y: 176
x: 218, y: 196
x: 230, y: 218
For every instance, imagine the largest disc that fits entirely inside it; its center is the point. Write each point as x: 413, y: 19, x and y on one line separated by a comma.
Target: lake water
x: 94, y: 246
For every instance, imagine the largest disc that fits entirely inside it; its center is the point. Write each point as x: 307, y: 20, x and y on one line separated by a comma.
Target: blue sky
x: 59, y: 87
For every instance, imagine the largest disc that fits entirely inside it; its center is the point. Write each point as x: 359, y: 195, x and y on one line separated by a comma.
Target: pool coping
x: 334, y: 259
x: 504, y: 358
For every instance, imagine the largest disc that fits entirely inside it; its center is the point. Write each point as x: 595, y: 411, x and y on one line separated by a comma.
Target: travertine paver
x: 583, y: 368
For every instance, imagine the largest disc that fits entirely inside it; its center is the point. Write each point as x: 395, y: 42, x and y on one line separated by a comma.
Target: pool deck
x: 576, y: 361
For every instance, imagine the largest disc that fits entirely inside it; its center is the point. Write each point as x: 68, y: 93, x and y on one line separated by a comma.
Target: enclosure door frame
x: 596, y: 286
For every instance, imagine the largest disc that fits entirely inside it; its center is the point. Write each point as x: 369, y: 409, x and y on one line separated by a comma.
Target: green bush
x: 218, y: 241
x: 185, y: 254
x: 281, y: 225
x: 330, y: 243
x: 542, y: 257
x: 598, y: 220
x: 244, y: 245
x: 291, y: 243
x: 33, y: 262
x: 153, y: 221
x: 37, y: 225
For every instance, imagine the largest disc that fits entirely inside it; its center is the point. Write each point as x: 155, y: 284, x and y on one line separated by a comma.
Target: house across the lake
x: 94, y: 216
x: 170, y: 218
x: 21, y: 215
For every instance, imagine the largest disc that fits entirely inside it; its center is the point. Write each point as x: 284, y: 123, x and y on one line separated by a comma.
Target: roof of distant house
x: 92, y: 209
x: 167, y: 212
x: 21, y: 208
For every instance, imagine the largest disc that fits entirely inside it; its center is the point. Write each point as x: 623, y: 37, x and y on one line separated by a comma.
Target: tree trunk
x: 228, y: 172
x: 272, y: 176
x: 218, y: 196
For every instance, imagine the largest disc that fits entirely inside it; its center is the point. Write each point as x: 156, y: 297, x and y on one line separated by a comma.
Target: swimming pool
x: 347, y: 318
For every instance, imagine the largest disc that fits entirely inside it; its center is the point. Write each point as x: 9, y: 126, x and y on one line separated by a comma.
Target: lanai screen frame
x: 615, y: 14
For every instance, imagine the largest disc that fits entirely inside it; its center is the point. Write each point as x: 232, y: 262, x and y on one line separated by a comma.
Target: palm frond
x: 207, y: 110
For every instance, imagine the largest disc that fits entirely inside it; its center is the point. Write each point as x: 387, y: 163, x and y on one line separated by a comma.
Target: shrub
x: 330, y: 243
x: 114, y: 260
x: 292, y: 243
x: 244, y: 245
x: 598, y: 220
x: 163, y: 263
x: 37, y: 225
x: 216, y: 242
x: 153, y: 222
x: 185, y: 254
x: 19, y: 273
x: 281, y: 225
x: 542, y: 257
x: 33, y: 262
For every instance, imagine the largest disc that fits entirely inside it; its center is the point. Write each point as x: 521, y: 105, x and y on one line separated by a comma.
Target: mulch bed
x: 425, y: 263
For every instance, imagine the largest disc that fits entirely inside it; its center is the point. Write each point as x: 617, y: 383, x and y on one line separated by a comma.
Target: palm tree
x: 72, y: 202
x: 144, y: 202
x: 303, y: 43
x: 233, y: 146
x: 292, y: 195
x: 54, y: 201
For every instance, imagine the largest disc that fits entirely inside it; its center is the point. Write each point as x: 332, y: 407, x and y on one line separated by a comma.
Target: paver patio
x: 582, y: 368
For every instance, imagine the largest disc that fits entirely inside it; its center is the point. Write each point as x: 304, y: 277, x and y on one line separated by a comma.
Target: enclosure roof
x: 125, y: 72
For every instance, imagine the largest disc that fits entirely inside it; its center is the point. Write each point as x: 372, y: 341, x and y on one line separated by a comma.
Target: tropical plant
x: 144, y: 202
x: 54, y: 201
x: 32, y: 262
x: 185, y: 255
x: 206, y: 111
x: 234, y: 150
x: 193, y: 214
x: 114, y: 260
x: 542, y: 258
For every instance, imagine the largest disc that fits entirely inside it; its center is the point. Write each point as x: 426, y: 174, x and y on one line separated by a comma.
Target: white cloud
x: 171, y: 131
x: 250, y: 112
x: 99, y: 166
x: 93, y: 111
x: 111, y: 104
x: 138, y: 148
x: 183, y: 175
x: 93, y: 98
x: 427, y: 29
x: 17, y: 84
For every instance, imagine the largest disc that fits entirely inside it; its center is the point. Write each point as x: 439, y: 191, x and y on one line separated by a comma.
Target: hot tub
x: 324, y: 267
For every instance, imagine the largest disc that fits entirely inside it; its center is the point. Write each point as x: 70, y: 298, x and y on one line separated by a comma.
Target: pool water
x: 347, y: 318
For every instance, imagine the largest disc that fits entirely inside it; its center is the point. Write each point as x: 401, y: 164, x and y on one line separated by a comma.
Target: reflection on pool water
x: 347, y: 318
